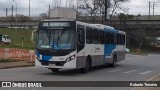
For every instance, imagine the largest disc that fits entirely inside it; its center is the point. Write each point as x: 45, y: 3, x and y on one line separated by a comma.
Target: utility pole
x: 153, y: 8
x: 12, y: 17
x: 77, y: 9
x: 6, y: 12
x: 12, y: 12
x: 49, y: 12
x: 29, y: 14
x: 106, y: 6
x: 149, y: 9
x: 16, y: 13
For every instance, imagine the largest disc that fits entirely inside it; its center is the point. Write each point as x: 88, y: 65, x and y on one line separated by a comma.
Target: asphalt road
x: 134, y: 68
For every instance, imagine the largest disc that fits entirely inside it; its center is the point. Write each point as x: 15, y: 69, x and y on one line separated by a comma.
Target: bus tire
x: 55, y: 70
x: 114, y: 62
x: 86, y: 67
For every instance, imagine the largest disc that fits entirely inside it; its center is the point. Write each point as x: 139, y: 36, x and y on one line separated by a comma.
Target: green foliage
x: 16, y: 36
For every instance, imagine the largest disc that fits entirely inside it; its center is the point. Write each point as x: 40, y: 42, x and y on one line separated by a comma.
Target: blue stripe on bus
x: 38, y: 54
x: 44, y: 58
x: 108, y: 49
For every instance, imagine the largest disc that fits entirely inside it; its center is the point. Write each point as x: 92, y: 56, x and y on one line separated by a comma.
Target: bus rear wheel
x: 114, y: 62
x: 55, y: 70
x: 86, y: 67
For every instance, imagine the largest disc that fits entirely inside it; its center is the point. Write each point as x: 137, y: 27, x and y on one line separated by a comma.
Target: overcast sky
x: 41, y: 6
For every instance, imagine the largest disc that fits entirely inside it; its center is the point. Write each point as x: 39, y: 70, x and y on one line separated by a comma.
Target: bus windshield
x: 60, y: 39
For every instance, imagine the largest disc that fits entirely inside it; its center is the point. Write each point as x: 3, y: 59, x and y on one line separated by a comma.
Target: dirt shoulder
x: 15, y: 64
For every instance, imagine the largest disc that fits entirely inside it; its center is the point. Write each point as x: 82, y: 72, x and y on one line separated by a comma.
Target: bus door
x: 109, y: 46
x: 80, y: 46
x: 96, y: 46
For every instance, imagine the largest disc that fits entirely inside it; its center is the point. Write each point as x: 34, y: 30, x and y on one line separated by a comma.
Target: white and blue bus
x: 70, y: 44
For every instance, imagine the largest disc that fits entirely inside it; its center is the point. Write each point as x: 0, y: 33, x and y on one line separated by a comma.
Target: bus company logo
x: 6, y: 84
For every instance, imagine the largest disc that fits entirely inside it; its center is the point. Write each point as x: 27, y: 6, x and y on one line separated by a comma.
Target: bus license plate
x: 52, y: 64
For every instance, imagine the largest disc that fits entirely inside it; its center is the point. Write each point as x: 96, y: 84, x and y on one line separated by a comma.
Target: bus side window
x: 81, y: 34
x: 115, y: 39
x: 88, y: 35
x: 106, y: 37
x: 110, y: 38
x: 95, y: 36
x: 118, y: 39
x: 123, y: 40
x: 101, y: 34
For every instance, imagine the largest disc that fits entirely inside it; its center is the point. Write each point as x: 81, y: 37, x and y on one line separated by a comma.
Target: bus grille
x: 46, y: 63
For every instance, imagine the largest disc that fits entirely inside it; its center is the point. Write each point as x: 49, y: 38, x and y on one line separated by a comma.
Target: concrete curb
x: 15, y: 65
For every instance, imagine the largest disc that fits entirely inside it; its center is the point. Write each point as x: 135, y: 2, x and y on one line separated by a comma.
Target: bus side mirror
x: 33, y: 36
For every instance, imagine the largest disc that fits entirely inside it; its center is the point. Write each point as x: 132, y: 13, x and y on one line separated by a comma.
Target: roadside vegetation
x: 20, y: 38
x: 8, y: 60
x: 144, y: 50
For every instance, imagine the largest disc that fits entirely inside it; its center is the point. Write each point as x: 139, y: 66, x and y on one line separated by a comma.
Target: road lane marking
x: 130, y: 71
x: 33, y: 67
x: 115, y: 70
x: 153, y: 77
x: 80, y: 78
x: 143, y: 73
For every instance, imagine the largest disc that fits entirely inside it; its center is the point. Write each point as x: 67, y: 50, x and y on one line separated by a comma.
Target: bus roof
x: 104, y: 26
x: 59, y: 20
x: 97, y: 26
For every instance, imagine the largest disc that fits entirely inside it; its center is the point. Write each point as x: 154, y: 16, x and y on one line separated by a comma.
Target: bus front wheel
x: 86, y: 67
x: 55, y: 70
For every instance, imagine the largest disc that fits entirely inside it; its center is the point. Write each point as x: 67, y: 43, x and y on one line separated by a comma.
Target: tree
x: 43, y: 16
x: 123, y: 18
x: 96, y: 8
x: 22, y: 18
x: 87, y: 8
x: 115, y: 8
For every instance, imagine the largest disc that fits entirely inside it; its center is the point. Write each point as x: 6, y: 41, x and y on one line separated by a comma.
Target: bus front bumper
x: 66, y: 65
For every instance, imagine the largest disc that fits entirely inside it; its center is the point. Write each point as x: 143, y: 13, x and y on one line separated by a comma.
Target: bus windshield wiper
x: 48, y: 36
x: 60, y: 36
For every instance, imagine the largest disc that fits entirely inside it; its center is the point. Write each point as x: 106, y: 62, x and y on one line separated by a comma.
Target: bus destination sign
x: 56, y: 24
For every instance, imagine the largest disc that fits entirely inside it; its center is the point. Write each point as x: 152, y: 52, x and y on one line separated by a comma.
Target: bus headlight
x: 38, y: 58
x: 70, y: 58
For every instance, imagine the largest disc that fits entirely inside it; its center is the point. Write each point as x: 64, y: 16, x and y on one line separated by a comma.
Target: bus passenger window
x: 123, y: 40
x: 111, y: 38
x: 89, y: 35
x: 106, y: 37
x: 115, y: 39
x: 94, y: 36
x: 101, y: 33
x: 118, y: 39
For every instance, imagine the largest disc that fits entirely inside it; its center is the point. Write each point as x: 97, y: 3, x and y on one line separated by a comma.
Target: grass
x: 17, y: 36
x: 8, y: 60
